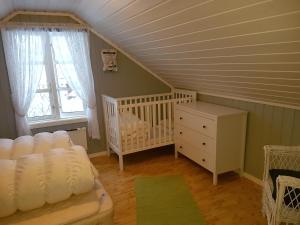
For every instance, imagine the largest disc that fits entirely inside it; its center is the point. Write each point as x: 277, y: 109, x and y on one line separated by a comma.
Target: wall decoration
x: 109, y: 58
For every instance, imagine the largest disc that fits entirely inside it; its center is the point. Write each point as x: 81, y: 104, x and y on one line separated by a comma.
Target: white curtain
x: 81, y: 81
x: 24, y: 49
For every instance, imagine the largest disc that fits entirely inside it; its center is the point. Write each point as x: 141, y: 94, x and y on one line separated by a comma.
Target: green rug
x: 165, y: 200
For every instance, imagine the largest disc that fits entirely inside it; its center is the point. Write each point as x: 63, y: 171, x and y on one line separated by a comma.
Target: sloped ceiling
x: 241, y: 48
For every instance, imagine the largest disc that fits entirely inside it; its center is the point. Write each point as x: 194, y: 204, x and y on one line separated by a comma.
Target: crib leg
x: 108, y: 151
x: 121, y: 165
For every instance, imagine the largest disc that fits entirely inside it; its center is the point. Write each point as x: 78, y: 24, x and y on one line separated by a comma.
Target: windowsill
x: 56, y: 122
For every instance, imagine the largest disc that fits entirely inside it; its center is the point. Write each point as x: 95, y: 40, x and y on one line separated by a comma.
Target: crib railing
x: 184, y: 96
x: 153, y: 127
x: 142, y: 122
x: 110, y: 109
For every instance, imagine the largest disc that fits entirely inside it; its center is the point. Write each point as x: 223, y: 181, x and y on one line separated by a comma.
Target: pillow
x: 294, y: 196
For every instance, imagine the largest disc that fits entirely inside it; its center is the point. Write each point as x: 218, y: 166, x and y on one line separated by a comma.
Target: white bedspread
x: 39, y: 143
x: 94, y: 207
x: 33, y: 180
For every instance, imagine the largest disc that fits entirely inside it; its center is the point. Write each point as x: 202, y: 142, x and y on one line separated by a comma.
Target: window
x: 54, y: 98
x: 48, y: 68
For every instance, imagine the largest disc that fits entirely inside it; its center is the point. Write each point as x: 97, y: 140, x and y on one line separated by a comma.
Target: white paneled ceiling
x: 240, y: 48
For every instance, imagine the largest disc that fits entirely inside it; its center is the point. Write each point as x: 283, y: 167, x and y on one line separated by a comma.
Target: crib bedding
x: 135, y: 131
x: 165, y: 138
x: 93, y: 208
x: 132, y: 126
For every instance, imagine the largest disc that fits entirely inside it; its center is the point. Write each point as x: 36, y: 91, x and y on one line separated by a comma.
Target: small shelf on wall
x: 109, y: 59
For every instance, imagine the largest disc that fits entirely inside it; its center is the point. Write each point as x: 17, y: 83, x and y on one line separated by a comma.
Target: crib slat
x: 136, y: 128
x: 110, y: 120
x: 165, y: 121
x: 143, y: 126
x: 170, y: 120
x: 107, y: 126
x: 130, y: 130
x: 149, y: 124
x: 159, y: 123
x: 113, y: 130
x: 154, y: 122
x: 110, y: 128
x: 122, y: 129
x: 114, y: 124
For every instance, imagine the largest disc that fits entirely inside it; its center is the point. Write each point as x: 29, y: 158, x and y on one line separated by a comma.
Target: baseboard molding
x: 96, y: 154
x: 252, y: 178
x: 246, y: 175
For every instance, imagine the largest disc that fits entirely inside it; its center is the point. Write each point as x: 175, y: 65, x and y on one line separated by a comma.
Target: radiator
x: 78, y: 136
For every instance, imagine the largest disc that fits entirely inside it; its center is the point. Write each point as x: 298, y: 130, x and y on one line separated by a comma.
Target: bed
x: 94, y: 207
x: 139, y: 123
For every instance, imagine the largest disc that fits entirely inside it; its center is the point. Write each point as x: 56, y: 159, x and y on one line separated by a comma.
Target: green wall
x: 266, y: 125
x: 130, y: 80
x: 7, y: 119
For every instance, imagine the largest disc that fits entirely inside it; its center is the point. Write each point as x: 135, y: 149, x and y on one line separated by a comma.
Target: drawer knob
x: 180, y: 146
x: 203, y: 160
x: 180, y: 118
x: 204, y: 126
x: 203, y: 143
x: 180, y: 132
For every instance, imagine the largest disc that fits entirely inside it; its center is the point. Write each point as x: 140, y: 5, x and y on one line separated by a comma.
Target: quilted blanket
x: 33, y: 180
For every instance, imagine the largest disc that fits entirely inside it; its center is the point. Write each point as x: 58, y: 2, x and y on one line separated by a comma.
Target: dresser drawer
x: 196, y: 154
x: 195, y: 138
x: 204, y: 125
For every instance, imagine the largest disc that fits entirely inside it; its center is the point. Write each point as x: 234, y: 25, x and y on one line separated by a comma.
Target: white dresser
x: 211, y: 135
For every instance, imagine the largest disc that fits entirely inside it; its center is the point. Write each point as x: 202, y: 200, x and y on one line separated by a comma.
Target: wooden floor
x: 234, y: 201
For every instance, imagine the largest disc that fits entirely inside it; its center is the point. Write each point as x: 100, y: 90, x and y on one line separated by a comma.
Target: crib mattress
x: 93, y: 208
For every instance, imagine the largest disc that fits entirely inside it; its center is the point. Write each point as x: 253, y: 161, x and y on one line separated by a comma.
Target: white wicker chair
x: 276, y: 211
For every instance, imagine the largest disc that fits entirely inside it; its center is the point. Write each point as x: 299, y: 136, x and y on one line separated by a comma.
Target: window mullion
x: 50, y: 72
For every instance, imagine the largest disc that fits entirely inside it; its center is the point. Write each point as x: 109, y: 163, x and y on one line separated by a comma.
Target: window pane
x: 40, y: 106
x: 61, y: 49
x: 28, y: 39
x: 62, y: 69
x: 70, y: 102
x: 43, y: 82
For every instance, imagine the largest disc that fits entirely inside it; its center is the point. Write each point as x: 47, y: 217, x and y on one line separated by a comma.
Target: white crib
x: 141, y: 122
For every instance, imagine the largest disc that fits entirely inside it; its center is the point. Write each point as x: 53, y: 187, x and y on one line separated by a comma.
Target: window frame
x: 53, y: 90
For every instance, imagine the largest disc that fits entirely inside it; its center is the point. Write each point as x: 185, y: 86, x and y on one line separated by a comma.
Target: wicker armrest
x: 287, y: 181
x: 284, y: 206
x: 281, y: 157
x: 288, y: 192
x: 280, y: 148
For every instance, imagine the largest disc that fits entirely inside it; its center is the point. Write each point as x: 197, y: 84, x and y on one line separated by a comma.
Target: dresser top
x: 210, y: 109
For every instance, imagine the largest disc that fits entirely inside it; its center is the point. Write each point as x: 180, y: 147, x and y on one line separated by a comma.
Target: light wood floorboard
x: 234, y: 201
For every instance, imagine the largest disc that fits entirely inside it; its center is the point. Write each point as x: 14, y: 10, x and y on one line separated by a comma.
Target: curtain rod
x: 43, y: 25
